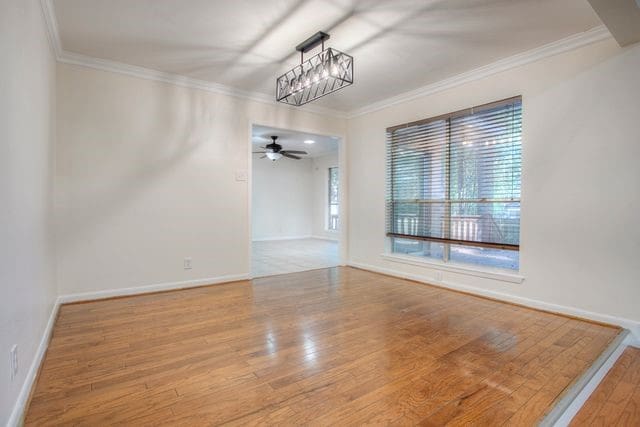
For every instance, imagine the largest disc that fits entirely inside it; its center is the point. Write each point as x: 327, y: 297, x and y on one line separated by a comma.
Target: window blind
x: 455, y: 178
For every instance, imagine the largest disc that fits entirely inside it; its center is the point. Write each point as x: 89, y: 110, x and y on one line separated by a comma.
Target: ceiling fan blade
x: 293, y: 152
x: 291, y: 156
x: 259, y: 152
x: 262, y: 157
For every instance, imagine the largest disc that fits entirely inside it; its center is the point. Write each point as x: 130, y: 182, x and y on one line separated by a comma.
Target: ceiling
x: 622, y: 18
x: 292, y: 140
x: 398, y: 45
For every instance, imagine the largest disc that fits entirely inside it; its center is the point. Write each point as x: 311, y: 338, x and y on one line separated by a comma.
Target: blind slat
x: 456, y: 178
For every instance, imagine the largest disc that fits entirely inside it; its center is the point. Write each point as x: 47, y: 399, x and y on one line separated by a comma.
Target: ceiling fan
x: 274, y: 151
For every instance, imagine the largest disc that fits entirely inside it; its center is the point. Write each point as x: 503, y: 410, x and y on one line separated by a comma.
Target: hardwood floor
x: 616, y: 401
x: 325, y: 347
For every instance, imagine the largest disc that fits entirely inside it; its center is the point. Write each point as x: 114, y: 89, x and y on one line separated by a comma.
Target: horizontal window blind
x: 456, y: 178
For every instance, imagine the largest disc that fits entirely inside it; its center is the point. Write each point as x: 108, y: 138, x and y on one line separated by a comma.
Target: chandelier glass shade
x: 324, y: 73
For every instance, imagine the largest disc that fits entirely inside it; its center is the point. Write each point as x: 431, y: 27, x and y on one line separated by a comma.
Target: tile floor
x: 288, y: 256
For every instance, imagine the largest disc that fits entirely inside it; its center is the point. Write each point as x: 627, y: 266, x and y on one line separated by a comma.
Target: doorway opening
x: 295, y: 201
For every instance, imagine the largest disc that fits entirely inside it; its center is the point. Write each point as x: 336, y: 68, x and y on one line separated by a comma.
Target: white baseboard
x: 578, y: 393
x: 16, y: 417
x: 310, y: 236
x: 17, y: 414
x: 632, y: 325
x: 110, y: 293
x: 273, y: 239
x: 331, y: 239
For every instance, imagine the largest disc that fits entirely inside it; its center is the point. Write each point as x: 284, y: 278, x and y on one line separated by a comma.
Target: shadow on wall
x: 118, y: 166
x: 122, y: 141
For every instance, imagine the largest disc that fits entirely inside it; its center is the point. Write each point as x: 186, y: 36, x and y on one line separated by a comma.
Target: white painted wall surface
x: 282, y: 199
x: 146, y: 175
x: 580, y: 239
x: 27, y: 98
x: 320, y: 166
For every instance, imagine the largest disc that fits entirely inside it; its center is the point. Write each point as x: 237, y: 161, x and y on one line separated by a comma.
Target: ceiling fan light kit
x: 328, y: 71
x: 273, y: 156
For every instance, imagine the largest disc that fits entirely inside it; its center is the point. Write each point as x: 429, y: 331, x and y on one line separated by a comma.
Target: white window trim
x: 453, y: 267
x: 327, y: 205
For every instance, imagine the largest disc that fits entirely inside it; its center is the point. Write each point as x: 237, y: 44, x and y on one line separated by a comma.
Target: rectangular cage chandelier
x: 322, y: 74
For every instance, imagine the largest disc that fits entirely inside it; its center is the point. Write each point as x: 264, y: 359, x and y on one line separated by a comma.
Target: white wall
x: 146, y: 176
x: 321, y: 167
x: 282, y: 199
x: 27, y: 92
x: 580, y: 238
x: 299, y: 211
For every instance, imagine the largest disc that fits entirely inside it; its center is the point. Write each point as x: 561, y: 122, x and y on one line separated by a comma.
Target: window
x: 453, y: 186
x: 334, y: 182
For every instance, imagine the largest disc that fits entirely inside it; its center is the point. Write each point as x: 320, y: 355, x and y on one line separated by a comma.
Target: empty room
x: 320, y: 212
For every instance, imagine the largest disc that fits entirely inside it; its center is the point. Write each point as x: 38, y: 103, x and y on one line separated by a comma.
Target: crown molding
x: 67, y: 57
x: 52, y: 26
x: 188, y: 82
x: 563, y: 45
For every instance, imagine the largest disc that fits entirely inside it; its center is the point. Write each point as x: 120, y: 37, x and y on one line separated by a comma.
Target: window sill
x: 487, y: 272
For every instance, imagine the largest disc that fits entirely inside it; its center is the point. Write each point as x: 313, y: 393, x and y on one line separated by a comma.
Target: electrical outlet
x: 187, y: 264
x: 13, y: 361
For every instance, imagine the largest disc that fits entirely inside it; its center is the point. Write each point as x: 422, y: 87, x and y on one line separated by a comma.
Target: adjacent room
x: 319, y: 212
x: 295, y: 201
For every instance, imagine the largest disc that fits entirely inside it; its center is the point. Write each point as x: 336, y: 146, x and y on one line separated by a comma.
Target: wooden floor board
x: 324, y: 347
x: 616, y: 401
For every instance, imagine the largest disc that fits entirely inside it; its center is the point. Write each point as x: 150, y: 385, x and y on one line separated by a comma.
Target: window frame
x: 330, y: 203
x: 446, y: 241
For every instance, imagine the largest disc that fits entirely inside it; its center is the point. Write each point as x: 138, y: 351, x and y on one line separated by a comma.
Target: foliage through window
x: 334, y: 198
x: 453, y: 185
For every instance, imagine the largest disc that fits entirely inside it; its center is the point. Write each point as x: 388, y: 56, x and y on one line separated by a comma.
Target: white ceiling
x: 292, y: 140
x: 398, y: 45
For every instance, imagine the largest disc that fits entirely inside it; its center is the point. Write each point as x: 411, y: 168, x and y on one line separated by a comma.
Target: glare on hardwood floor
x: 289, y: 256
x: 329, y: 347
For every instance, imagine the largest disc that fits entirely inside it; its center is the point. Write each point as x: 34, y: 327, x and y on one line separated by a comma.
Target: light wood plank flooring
x: 338, y: 346
x: 616, y: 401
